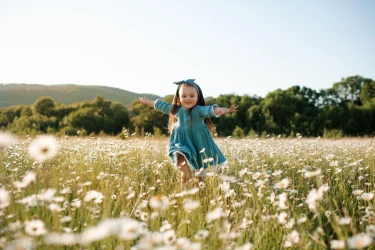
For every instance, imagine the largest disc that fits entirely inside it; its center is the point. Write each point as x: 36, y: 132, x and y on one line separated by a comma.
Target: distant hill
x: 27, y: 94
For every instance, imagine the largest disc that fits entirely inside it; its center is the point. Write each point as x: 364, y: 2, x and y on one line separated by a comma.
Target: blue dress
x: 193, y: 139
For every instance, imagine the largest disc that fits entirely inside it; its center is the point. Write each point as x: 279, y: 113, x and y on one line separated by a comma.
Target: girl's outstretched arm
x: 146, y: 101
x: 222, y: 111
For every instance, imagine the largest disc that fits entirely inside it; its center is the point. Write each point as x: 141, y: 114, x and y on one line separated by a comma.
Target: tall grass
x: 275, y: 193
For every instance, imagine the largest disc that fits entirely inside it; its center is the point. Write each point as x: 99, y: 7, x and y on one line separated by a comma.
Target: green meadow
x: 108, y: 193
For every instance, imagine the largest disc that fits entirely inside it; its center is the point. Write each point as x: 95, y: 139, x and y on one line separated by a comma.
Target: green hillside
x: 27, y: 94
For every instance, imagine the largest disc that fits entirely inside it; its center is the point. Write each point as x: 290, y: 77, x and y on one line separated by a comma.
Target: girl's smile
x: 188, y: 96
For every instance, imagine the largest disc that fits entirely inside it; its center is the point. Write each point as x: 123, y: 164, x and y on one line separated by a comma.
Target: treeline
x: 345, y: 109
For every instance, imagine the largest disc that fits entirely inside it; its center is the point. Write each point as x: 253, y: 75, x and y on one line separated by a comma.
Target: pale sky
x: 229, y: 46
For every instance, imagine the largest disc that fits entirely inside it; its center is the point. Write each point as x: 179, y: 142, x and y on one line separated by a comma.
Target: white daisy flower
x: 65, y: 219
x: 334, y: 163
x: 5, y: 139
x: 312, y: 198
x: 131, y: 195
x: 54, y: 207
x: 293, y: 237
x: 357, y: 192
x: 144, y: 216
x: 284, y: 183
x: 169, y: 237
x: 4, y: 198
x: 370, y: 229
x: 43, y: 148
x: 282, y: 200
x: 26, y: 180
x: 359, y: 241
x: 282, y: 218
x: 76, y: 203
x: 96, y: 196
x: 201, y: 235
x: 47, y: 195
x: 277, y: 172
x: 35, y: 228
x: 345, y: 221
x: 129, y: 229
x: 183, y: 243
x: 61, y: 239
x: 337, y: 244
x: 246, y: 246
x: 165, y: 226
x: 66, y: 191
x: 97, y: 233
x: 215, y: 214
x: 242, y: 172
x: 21, y: 243
x: 201, y: 185
x: 159, y: 202
x: 302, y: 219
x: 309, y: 174
x: 29, y: 201
x: 367, y: 196
x: 191, y: 205
x: 290, y: 223
x: 256, y: 175
x: 318, y: 232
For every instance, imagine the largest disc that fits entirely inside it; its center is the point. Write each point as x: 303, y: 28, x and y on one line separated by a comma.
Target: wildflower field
x: 107, y: 193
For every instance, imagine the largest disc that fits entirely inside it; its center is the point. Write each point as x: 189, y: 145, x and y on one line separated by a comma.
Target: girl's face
x: 188, y: 96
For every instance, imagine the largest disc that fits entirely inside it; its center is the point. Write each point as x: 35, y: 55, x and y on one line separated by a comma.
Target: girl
x: 191, y: 147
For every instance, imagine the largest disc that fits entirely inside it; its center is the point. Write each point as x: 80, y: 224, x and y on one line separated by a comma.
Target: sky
x: 240, y: 47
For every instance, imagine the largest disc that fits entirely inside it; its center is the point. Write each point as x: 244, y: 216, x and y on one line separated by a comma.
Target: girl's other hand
x: 232, y: 108
x: 146, y: 101
x: 143, y: 100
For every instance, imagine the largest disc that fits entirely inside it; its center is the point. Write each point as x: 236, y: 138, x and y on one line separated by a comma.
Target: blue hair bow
x: 188, y: 81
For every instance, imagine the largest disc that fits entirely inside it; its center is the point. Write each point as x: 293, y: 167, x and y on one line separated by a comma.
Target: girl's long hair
x: 176, y: 103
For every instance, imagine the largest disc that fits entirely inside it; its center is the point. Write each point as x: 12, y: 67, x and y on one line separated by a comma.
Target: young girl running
x: 191, y: 146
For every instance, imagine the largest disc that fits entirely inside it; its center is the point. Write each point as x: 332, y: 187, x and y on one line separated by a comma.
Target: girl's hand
x: 144, y: 100
x: 232, y: 108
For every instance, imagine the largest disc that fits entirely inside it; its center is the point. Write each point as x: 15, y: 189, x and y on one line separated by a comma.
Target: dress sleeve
x: 207, y: 111
x: 162, y: 106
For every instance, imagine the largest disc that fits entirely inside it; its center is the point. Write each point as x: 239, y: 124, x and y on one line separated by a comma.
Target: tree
x: 255, y: 119
x: 85, y: 118
x: 349, y: 89
x: 279, y: 109
x: 102, y: 106
x: 147, y: 118
x: 26, y: 111
x: 118, y: 120
x: 367, y: 92
x: 227, y: 123
x: 44, y: 106
x: 238, y: 133
x: 245, y: 103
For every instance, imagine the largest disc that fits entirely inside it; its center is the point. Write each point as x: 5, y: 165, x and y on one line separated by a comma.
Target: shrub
x: 238, y: 132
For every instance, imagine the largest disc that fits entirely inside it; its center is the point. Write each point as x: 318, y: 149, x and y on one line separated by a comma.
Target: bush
x: 157, y: 132
x: 333, y: 133
x: 238, y: 133
x: 253, y: 133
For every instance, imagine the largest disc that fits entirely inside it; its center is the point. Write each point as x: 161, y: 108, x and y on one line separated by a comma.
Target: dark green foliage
x: 146, y: 119
x: 346, y: 109
x: 46, y: 116
x: 44, y: 106
x: 238, y: 133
